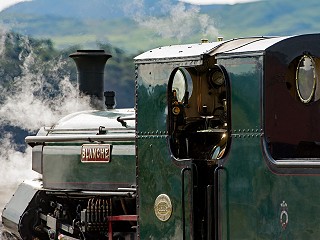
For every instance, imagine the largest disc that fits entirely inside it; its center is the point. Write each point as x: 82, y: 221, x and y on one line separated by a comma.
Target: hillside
x: 135, y: 27
x: 270, y: 17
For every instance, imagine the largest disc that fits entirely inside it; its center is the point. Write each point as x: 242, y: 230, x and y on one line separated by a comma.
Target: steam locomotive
x: 223, y: 143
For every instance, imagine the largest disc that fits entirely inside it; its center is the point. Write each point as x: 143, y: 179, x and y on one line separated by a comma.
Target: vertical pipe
x: 90, y: 68
x: 183, y: 202
x: 210, y: 212
x: 216, y: 201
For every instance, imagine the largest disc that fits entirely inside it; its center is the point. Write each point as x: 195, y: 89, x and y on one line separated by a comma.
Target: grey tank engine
x: 87, y: 166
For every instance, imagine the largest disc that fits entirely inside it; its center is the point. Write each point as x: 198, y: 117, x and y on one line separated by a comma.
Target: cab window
x: 292, y: 129
x: 198, y: 118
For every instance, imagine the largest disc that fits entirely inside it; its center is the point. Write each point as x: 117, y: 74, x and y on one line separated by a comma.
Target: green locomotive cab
x: 225, y: 132
x: 183, y: 132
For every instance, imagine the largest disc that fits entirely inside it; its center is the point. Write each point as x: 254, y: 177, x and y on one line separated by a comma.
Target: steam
x: 30, y: 101
x: 3, y: 38
x: 176, y: 21
x: 26, y: 102
x: 13, y: 163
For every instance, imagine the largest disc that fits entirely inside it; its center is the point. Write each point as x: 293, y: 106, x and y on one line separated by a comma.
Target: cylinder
x: 90, y: 73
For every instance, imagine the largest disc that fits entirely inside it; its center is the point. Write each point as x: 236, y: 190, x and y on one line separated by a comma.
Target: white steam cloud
x: 15, y: 168
x: 175, y: 21
x: 29, y: 102
x: 26, y: 103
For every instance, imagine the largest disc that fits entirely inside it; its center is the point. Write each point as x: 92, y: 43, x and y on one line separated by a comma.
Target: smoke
x: 13, y: 163
x: 169, y: 20
x: 2, y: 41
x: 32, y: 100
x: 15, y: 168
x: 39, y: 96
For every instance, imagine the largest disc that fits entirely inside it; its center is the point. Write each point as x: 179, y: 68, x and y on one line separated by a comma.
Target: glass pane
x: 179, y: 84
x: 306, y: 81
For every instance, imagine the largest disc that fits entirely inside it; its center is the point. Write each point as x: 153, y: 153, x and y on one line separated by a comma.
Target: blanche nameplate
x: 95, y: 153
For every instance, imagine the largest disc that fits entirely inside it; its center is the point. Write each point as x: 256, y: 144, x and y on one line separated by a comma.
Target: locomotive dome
x: 94, y: 119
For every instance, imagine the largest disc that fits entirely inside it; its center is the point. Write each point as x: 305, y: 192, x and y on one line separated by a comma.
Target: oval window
x: 306, y: 79
x: 181, y: 83
x: 216, y: 78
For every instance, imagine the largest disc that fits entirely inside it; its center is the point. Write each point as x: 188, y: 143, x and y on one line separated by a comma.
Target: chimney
x: 90, y: 69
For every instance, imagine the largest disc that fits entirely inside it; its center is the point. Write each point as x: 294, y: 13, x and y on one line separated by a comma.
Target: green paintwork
x: 61, y: 162
x: 152, y: 99
x: 119, y: 172
x: 251, y: 194
x: 158, y: 175
x: 158, y: 172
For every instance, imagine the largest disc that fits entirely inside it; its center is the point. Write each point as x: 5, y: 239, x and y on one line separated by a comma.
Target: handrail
x: 123, y: 120
x: 182, y: 204
x: 216, y: 201
x: 86, y: 129
x: 126, y: 118
x: 210, y: 212
x: 82, y: 137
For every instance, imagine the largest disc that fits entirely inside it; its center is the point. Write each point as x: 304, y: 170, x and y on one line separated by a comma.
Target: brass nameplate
x: 163, y: 207
x: 95, y: 153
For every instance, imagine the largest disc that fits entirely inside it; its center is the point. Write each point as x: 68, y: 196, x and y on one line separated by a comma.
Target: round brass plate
x: 163, y: 207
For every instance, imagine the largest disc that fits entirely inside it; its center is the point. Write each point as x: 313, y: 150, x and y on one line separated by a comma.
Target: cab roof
x: 196, y: 51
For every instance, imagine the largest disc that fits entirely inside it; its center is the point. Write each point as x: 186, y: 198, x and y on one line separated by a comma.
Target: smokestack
x: 90, y: 68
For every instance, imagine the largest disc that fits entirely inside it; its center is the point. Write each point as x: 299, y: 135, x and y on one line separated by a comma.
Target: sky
x: 8, y: 3
x: 209, y: 2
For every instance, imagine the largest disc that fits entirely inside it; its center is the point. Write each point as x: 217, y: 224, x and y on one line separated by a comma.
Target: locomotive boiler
x: 223, y: 143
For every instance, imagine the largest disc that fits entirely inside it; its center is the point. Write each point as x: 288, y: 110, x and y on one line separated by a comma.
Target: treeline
x: 36, y: 66
x: 17, y: 51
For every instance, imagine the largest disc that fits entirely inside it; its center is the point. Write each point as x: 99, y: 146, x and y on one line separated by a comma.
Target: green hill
x: 270, y: 17
x: 133, y: 28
